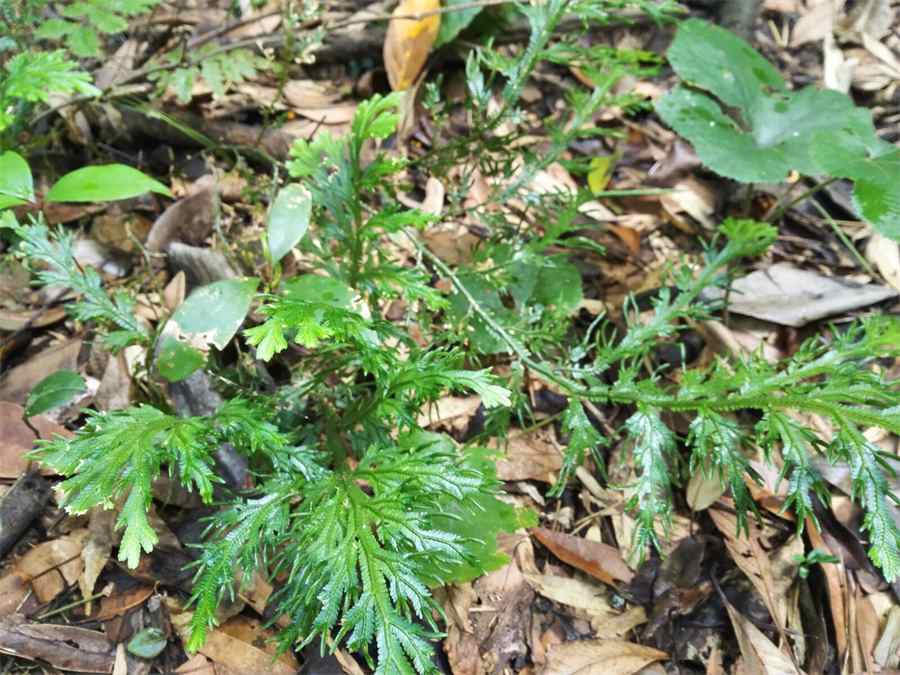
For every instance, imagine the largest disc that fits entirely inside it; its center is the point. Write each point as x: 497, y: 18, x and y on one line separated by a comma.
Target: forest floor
x: 571, y: 599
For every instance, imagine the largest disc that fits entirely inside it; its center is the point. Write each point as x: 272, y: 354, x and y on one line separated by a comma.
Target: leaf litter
x: 566, y: 602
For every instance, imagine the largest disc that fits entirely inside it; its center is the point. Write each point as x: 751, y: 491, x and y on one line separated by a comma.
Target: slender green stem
x: 845, y: 240
x: 782, y: 207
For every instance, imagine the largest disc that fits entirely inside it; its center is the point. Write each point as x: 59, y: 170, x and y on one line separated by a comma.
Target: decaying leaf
x: 761, y: 656
x: 409, y: 41
x: 600, y: 560
x: 600, y: 657
x: 64, y: 647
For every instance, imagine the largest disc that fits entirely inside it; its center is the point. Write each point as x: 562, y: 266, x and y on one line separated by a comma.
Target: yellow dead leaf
x: 409, y: 41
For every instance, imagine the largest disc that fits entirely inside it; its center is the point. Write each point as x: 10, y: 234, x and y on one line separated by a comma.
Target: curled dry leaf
x: 409, y: 41
x: 599, y: 560
x: 600, y: 657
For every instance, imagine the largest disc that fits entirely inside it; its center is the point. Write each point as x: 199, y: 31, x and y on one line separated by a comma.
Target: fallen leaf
x: 16, y: 439
x: 884, y: 253
x: 789, y: 296
x: 63, y: 647
x: 600, y: 657
x: 96, y: 551
x: 529, y: 456
x: 53, y: 565
x: 118, y: 603
x: 761, y: 655
x: 601, y: 561
x: 197, y: 665
x: 887, y: 651
x: 226, y: 650
x: 408, y: 41
x: 19, y: 381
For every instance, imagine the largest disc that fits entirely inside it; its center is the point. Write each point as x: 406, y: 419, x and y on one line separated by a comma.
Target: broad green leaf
x: 176, y: 359
x: 717, y: 60
x: 288, y: 219
x: 455, y: 21
x: 874, y: 166
x: 214, y: 313
x: 777, y: 137
x: 317, y: 288
x: 16, y: 184
x: 53, y: 391
x: 147, y: 643
x: 104, y: 183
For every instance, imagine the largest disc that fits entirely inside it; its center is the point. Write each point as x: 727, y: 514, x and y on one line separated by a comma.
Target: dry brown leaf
x: 771, y: 575
x: 572, y: 592
x: 836, y: 583
x: 16, y: 439
x: 119, y: 603
x: 703, y: 491
x: 224, y: 649
x: 408, y: 41
x: 96, y: 551
x: 761, y: 656
x: 14, y: 588
x: 449, y: 410
x: 64, y: 647
x: 529, y: 456
x: 887, y: 651
x: 600, y: 657
x: 19, y: 381
x: 53, y: 565
x: 197, y: 665
x: 601, y: 561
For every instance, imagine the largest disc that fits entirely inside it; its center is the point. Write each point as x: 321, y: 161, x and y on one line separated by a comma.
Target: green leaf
x: 54, y: 29
x: 288, y: 219
x: 453, y: 22
x: 875, y: 168
x: 715, y: 59
x: 176, y: 360
x: 777, y: 137
x: 214, y: 313
x: 315, y: 288
x: 558, y: 285
x: 53, y: 391
x: 147, y: 643
x: 84, y: 42
x: 104, y: 183
x: 16, y: 184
